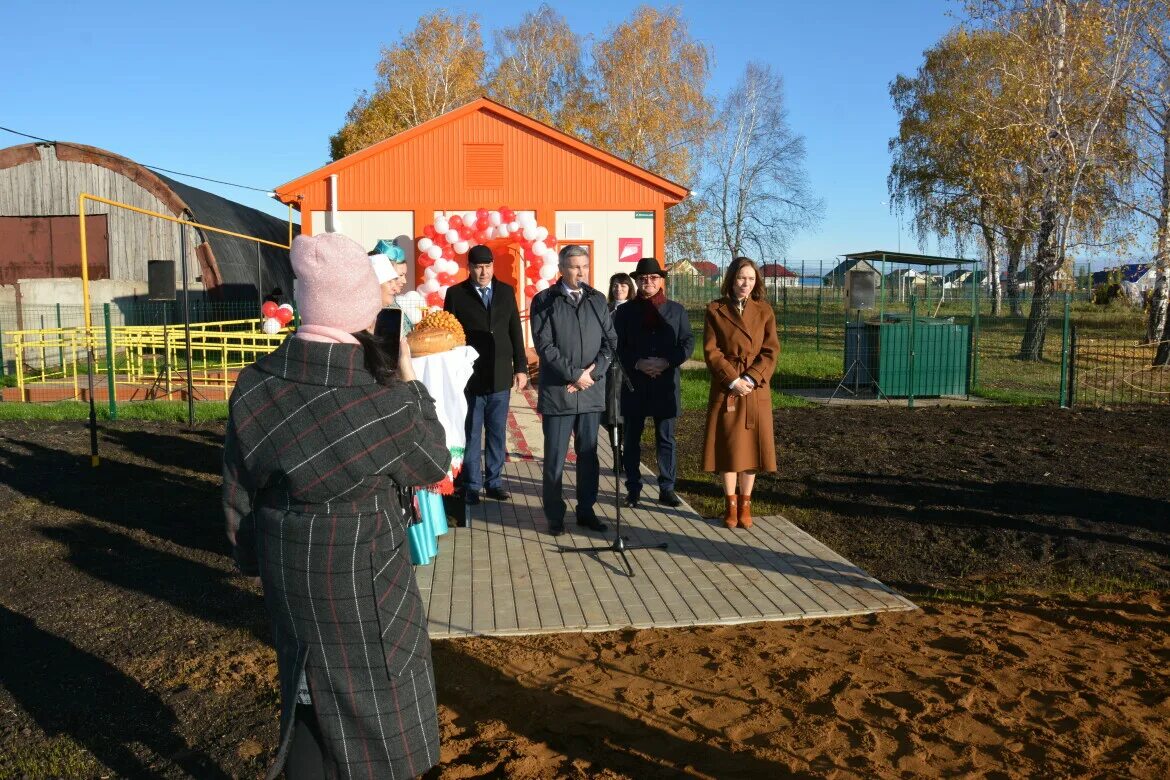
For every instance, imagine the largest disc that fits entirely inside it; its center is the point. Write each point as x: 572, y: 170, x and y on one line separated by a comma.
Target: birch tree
x: 758, y: 195
x: 436, y: 67
x: 1149, y: 121
x: 650, y: 104
x: 539, y: 70
x: 1076, y: 58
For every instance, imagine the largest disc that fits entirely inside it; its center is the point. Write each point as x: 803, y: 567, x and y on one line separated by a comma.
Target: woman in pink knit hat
x: 321, y: 433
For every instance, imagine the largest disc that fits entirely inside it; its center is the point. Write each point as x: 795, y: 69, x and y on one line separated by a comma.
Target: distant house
x: 836, y: 277
x: 707, y: 269
x: 777, y: 275
x: 1141, y: 275
x: 683, y: 268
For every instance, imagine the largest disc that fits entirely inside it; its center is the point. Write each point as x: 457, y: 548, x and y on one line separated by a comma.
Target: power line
x: 144, y: 165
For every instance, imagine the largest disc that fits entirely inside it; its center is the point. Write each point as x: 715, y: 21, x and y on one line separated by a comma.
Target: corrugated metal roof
x: 243, y: 273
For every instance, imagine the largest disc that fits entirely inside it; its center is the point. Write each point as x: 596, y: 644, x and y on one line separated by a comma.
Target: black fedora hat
x: 649, y: 265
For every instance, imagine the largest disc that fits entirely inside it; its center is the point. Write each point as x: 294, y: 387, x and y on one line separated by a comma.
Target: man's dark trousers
x: 485, y: 411
x: 632, y: 454
x: 557, y: 428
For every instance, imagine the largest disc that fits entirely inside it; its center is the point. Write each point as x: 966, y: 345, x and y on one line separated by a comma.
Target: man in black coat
x: 575, y: 341
x: 486, y: 308
x: 654, y: 339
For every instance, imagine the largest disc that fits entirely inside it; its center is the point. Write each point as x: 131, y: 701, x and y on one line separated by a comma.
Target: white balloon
x: 550, y: 258
x: 461, y: 247
x: 541, y: 233
x: 538, y: 247
x: 434, y: 253
x: 271, y: 326
x: 452, y: 236
x: 494, y: 218
x: 513, y: 227
x: 547, y: 272
x: 526, y: 220
x: 430, y: 286
x: 469, y: 218
x: 285, y: 306
x: 502, y: 231
x: 424, y: 244
x: 430, y: 273
x: 443, y: 292
x: 442, y: 225
x: 542, y: 285
x: 529, y: 234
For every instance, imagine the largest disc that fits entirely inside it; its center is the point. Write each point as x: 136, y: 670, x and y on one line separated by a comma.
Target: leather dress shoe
x: 498, y: 494
x: 556, y: 530
x: 669, y: 498
x: 592, y: 523
x: 632, y: 500
x: 471, y: 497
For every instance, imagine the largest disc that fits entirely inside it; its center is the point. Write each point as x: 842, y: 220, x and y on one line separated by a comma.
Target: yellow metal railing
x: 149, y: 360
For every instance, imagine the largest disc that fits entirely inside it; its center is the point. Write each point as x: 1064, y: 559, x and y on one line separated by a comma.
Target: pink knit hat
x: 335, y: 285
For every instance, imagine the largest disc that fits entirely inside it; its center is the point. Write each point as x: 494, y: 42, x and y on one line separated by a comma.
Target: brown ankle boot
x: 745, y: 512
x: 729, y: 513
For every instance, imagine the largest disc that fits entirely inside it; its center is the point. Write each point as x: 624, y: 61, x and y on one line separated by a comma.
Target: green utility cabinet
x: 939, y: 363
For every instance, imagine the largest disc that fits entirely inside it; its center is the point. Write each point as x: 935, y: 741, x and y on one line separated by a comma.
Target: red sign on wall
x: 629, y: 250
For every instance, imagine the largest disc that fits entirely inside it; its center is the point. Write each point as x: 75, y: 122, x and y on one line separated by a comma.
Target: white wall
x: 368, y: 227
x: 604, y: 228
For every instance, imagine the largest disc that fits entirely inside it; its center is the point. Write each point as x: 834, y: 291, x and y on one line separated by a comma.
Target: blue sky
x: 250, y: 92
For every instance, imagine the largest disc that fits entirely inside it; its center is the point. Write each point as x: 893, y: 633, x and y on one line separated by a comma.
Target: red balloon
x: 430, y: 232
x: 434, y: 299
x: 466, y: 232
x: 283, y: 316
x: 269, y: 309
x: 507, y: 215
x: 550, y: 240
x: 533, y: 272
x: 455, y: 221
x: 448, y: 253
x: 425, y: 260
x: 481, y: 213
x: 530, y: 290
x: 445, y: 278
x: 482, y: 223
x: 481, y: 237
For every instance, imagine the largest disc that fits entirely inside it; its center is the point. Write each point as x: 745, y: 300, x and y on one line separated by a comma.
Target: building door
x: 50, y: 247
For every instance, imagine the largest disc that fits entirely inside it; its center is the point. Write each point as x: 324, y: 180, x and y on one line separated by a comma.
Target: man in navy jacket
x: 654, y: 339
x: 575, y: 340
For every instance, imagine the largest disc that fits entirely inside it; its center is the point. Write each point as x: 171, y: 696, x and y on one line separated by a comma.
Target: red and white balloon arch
x: 452, y: 236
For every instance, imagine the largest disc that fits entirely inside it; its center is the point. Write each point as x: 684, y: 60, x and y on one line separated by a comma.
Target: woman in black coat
x: 320, y: 434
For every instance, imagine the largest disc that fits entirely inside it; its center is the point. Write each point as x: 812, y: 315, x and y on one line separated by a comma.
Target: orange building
x: 487, y: 156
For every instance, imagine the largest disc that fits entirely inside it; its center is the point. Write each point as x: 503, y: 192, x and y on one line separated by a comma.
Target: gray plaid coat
x: 313, y: 451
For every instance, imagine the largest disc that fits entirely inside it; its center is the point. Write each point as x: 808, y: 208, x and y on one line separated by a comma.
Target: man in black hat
x: 654, y: 339
x: 486, y: 308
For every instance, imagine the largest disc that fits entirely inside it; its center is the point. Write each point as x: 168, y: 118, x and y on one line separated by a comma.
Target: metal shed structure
x: 486, y: 155
x: 40, y: 237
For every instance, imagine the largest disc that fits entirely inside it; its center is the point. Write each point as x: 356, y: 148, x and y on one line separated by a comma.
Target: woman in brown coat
x: 740, y: 347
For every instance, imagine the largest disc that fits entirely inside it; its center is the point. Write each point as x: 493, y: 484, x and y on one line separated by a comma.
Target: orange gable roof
x: 671, y: 191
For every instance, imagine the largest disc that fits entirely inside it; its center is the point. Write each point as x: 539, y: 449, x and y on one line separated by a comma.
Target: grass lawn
x: 160, y: 411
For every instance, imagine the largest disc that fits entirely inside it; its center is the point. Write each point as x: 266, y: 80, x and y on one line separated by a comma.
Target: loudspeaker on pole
x: 160, y: 280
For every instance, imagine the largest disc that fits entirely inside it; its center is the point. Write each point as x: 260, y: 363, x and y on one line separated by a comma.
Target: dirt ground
x: 1037, y: 541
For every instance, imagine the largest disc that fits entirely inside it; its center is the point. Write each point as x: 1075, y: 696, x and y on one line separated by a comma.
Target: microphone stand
x: 619, y: 546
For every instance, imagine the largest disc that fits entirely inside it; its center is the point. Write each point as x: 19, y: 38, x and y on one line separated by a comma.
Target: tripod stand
x: 858, y: 365
x: 619, y: 545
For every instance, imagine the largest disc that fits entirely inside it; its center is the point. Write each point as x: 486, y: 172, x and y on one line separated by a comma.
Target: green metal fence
x: 957, y: 348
